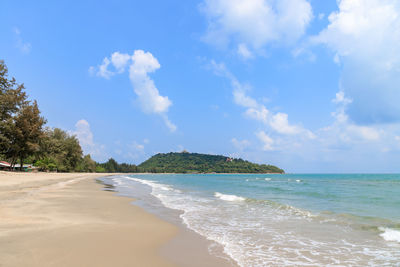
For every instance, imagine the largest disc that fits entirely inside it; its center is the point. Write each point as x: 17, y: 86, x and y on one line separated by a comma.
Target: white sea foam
x: 268, y: 179
x: 298, y: 180
x: 118, y: 181
x: 390, y: 234
x: 228, y: 197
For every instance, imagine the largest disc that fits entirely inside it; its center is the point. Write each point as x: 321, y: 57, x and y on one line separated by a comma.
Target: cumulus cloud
x: 120, y: 61
x: 343, y: 129
x: 85, y: 136
x: 252, y: 24
x: 148, y: 94
x: 365, y: 38
x: 140, y: 65
x: 266, y: 140
x: 103, y: 69
x: 278, y: 122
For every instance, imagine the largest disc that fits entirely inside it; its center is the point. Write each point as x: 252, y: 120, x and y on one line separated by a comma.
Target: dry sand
x: 67, y: 220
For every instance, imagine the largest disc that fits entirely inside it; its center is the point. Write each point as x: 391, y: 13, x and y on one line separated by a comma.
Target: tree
x: 27, y: 131
x: 88, y: 165
x: 62, y: 148
x: 12, y: 98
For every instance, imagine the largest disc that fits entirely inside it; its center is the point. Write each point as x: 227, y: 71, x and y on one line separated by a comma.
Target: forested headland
x: 186, y: 162
x: 25, y: 139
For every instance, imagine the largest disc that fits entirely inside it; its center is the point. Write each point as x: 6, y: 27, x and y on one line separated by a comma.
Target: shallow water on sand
x: 283, y: 220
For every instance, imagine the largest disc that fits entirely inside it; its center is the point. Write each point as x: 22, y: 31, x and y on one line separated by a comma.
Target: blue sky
x: 310, y: 86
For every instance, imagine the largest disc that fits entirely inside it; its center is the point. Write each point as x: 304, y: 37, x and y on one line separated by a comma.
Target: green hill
x: 202, y: 163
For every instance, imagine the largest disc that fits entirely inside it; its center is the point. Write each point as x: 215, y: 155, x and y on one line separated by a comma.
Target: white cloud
x: 83, y: 133
x: 254, y: 110
x: 342, y: 146
x: 364, y: 132
x: 252, y: 24
x: 103, y: 69
x: 171, y: 126
x: 345, y: 130
x: 24, y: 47
x: 280, y: 123
x: 266, y: 140
x: 85, y: 137
x: 340, y: 98
x: 141, y: 64
x: 148, y: 94
x: 244, y: 52
x: 120, y: 61
x: 365, y: 38
x: 240, y: 144
x: 260, y: 113
x: 138, y: 147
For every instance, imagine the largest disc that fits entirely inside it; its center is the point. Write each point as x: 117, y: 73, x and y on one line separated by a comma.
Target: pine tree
x: 27, y: 132
x: 12, y: 98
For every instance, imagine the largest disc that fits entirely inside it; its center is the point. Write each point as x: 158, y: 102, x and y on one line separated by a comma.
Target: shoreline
x: 186, y: 248
x: 69, y: 219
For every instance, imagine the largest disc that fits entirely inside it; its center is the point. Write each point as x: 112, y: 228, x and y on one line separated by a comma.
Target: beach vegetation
x: 113, y: 166
x: 64, y: 150
x: 20, y: 120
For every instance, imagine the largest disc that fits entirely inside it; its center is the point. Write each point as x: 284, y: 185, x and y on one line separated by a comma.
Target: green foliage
x: 202, y: 163
x: 100, y: 169
x: 27, y: 132
x: 112, y: 166
x: 65, y: 151
x: 46, y: 164
x: 20, y: 120
x: 12, y: 96
x: 88, y: 165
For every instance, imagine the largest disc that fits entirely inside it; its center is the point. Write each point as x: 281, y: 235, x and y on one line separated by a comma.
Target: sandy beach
x: 50, y: 219
x: 67, y: 220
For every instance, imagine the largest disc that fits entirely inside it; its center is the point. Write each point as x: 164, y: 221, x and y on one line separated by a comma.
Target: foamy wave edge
x: 390, y: 234
x: 228, y: 197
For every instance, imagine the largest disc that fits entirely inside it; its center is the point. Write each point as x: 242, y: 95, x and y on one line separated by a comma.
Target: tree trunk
x: 13, y: 160
x: 22, y: 163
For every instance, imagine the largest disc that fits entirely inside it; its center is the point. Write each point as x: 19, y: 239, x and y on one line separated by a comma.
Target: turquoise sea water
x: 287, y: 220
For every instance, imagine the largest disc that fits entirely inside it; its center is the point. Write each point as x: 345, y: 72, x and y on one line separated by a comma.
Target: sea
x: 280, y: 219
